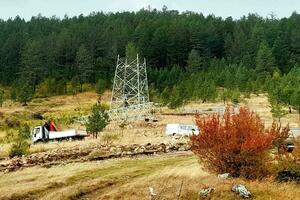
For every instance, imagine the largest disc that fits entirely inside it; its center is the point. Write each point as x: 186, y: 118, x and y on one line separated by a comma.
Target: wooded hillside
x: 188, y: 54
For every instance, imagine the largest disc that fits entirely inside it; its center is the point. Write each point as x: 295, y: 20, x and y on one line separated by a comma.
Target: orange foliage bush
x: 235, y: 143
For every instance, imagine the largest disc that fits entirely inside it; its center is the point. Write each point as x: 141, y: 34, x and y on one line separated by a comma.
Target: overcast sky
x: 223, y: 8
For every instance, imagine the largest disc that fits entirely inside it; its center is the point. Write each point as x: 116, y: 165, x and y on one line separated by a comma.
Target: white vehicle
x: 181, y: 129
x: 42, y: 134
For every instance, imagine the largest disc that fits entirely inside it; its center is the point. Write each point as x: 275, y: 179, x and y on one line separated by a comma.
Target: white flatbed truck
x: 42, y: 134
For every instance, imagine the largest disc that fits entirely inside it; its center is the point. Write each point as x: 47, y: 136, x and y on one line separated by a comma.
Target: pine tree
x: 25, y: 92
x: 97, y: 121
x: 295, y: 100
x: 277, y: 111
x: 265, y: 62
x: 84, y: 64
x: 176, y: 99
x: 33, y: 70
x: 101, y: 86
x: 194, y: 63
x: 131, y: 52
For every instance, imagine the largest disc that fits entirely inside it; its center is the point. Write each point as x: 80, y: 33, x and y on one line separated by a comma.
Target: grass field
x: 124, y: 178
x: 63, y: 109
x: 131, y: 179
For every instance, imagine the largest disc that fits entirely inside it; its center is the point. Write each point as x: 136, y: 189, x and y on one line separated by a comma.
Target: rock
x: 181, y: 149
x: 224, y: 176
x: 99, y: 155
x: 205, y: 192
x: 152, y: 194
x: 96, y: 152
x: 242, y: 191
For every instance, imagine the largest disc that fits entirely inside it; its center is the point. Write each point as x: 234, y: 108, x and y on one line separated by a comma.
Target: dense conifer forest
x: 189, y: 55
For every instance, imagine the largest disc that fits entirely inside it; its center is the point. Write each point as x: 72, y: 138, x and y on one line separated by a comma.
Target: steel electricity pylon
x: 130, y: 94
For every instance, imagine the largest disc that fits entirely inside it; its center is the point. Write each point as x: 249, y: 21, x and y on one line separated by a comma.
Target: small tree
x: 236, y: 97
x: 101, y: 86
x: 194, y: 63
x: 225, y: 95
x: 84, y: 64
x: 235, y: 143
x: 25, y: 93
x: 208, y: 91
x: 165, y: 96
x: 277, y: 111
x: 176, y: 99
x: 265, y: 62
x: 20, y: 145
x: 98, y: 120
x: 295, y: 100
x: 75, y: 86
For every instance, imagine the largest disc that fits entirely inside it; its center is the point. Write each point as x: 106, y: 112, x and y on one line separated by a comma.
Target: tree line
x: 189, y: 55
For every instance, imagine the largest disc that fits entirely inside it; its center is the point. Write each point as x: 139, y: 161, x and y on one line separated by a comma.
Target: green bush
x: 235, y: 98
x: 20, y: 145
x: 12, y: 122
x: 101, y: 86
x: 50, y: 87
x: 10, y: 135
x: 288, y: 166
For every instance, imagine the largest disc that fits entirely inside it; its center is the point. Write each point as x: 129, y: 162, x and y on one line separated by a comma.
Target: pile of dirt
x: 101, y: 152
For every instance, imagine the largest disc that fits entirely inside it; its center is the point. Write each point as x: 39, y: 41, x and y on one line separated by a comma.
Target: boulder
x: 206, y: 192
x: 224, y: 176
x: 242, y: 191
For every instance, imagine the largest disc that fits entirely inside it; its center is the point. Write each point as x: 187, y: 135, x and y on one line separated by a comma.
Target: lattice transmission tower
x: 130, y: 95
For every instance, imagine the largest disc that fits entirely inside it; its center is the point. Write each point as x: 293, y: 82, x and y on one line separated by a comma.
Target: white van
x: 181, y: 129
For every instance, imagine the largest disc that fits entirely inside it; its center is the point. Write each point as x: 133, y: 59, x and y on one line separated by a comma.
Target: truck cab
x: 45, y: 133
x: 39, y: 134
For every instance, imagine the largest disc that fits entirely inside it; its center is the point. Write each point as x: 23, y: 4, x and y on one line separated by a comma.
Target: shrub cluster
x: 20, y: 145
x: 288, y: 165
x: 236, y: 143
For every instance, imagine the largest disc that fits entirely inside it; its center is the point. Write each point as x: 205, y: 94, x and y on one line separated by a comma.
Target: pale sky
x: 224, y: 8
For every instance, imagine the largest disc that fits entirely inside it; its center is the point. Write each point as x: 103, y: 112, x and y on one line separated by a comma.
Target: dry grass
x: 258, y: 103
x: 261, y: 105
x: 65, y: 107
x: 130, y: 179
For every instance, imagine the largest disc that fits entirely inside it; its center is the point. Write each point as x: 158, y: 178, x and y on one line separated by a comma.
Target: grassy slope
x: 126, y: 178
x: 130, y: 179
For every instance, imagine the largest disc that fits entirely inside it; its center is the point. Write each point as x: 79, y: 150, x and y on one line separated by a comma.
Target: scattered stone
x: 152, y: 194
x: 242, y: 191
x: 98, y: 152
x: 224, y: 176
x: 206, y: 191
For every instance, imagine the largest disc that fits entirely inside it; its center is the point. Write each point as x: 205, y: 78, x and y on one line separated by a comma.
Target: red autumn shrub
x: 235, y: 143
